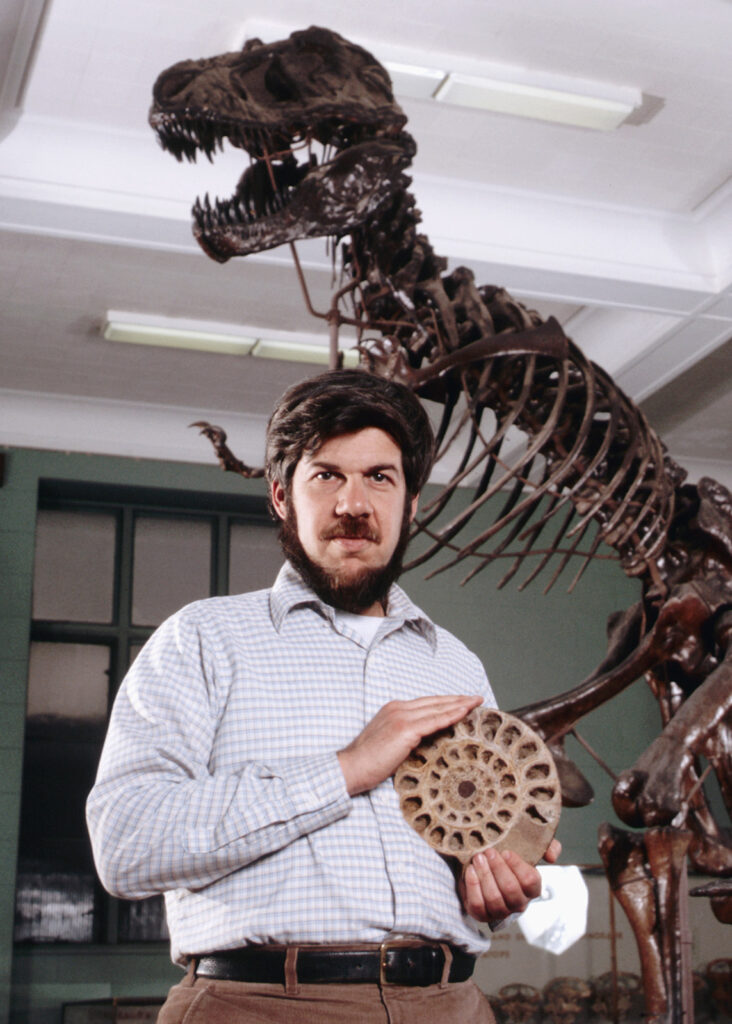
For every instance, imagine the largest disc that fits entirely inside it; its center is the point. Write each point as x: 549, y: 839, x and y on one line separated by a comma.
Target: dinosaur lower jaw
x: 256, y: 212
x: 276, y: 203
x: 221, y: 240
x: 225, y: 229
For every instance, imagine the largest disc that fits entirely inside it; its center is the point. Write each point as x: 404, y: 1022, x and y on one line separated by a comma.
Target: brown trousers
x: 204, y: 1001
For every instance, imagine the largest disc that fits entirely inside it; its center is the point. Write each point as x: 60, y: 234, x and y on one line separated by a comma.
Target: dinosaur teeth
x: 263, y: 191
x: 186, y: 138
x: 188, y: 134
x: 178, y: 141
x: 197, y: 212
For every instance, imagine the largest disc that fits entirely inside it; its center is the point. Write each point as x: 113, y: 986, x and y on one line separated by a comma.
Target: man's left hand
x: 495, y: 885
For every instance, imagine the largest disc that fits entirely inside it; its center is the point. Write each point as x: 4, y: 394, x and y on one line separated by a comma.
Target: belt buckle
x: 383, y: 953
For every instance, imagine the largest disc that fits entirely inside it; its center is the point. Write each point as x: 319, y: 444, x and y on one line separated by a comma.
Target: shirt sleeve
x: 159, y: 818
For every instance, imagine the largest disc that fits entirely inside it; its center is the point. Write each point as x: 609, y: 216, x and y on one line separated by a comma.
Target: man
x: 247, y: 770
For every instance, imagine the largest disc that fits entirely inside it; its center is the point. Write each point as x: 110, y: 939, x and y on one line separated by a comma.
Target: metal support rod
x: 303, y: 285
x: 613, y: 959
x: 680, y: 818
x: 334, y: 359
x: 687, y: 980
x: 594, y: 754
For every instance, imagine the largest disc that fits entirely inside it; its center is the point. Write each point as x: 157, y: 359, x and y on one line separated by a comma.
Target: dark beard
x: 356, y: 594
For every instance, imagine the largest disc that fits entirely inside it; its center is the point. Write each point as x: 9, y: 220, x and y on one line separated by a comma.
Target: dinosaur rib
x: 553, y: 546
x: 532, y: 450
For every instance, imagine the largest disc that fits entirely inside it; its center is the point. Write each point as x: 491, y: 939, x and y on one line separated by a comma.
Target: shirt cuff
x: 316, y: 784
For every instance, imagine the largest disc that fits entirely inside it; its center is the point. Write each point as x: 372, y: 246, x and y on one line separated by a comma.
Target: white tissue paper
x: 557, y: 918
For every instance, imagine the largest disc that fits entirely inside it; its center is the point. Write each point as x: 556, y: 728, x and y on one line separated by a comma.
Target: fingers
x: 393, y: 732
x: 437, y: 705
x: 430, y: 714
x: 553, y: 852
x: 425, y: 703
x: 522, y: 875
x: 495, y: 885
x: 480, y: 894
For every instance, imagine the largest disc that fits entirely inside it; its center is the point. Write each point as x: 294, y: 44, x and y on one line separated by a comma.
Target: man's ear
x: 278, y: 497
x: 413, y: 507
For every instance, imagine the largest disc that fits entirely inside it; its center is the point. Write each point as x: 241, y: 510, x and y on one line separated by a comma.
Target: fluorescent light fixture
x: 212, y: 337
x: 520, y: 100
x: 299, y: 352
x: 176, y: 337
x: 484, y: 84
x: 521, y: 92
x: 419, y: 83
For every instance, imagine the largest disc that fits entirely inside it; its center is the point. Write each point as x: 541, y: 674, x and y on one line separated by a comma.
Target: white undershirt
x: 365, y: 625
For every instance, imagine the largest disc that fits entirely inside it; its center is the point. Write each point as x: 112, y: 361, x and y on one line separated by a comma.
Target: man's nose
x: 353, y: 498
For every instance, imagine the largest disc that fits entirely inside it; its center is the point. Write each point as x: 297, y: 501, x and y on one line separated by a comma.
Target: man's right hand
x: 393, y: 732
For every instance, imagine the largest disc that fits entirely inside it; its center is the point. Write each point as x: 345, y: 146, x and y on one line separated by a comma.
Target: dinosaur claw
x: 213, y: 433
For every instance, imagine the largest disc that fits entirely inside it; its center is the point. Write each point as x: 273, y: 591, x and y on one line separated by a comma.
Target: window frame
x: 127, y: 502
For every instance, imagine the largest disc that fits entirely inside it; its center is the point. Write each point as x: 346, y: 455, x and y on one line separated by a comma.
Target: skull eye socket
x: 279, y: 83
x: 376, y: 79
x: 247, y: 71
x: 170, y: 85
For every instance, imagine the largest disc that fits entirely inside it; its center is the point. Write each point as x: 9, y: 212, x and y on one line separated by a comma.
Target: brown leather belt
x: 392, y: 963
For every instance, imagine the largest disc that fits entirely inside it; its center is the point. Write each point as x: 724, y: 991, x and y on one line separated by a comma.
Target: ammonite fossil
x: 487, y: 781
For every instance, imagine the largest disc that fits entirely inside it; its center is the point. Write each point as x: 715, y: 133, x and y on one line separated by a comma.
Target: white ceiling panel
x: 626, y: 235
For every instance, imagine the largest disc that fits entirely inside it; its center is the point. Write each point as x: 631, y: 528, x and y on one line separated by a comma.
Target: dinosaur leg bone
x: 644, y: 872
x: 656, y: 788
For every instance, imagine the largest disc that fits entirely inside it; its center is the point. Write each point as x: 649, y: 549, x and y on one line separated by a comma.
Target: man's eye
x: 325, y: 474
x: 380, y: 478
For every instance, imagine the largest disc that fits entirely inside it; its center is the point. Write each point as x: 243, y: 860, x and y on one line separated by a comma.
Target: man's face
x: 350, y: 505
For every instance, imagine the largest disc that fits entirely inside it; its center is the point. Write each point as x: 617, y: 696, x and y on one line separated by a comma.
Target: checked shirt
x: 219, y: 784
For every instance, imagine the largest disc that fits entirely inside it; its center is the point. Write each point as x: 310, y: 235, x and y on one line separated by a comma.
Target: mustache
x: 351, y: 529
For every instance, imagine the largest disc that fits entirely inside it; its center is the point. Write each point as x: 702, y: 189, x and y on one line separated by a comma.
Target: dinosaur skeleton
x: 327, y: 156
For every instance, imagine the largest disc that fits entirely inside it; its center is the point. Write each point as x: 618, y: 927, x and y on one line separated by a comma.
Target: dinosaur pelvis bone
x: 488, y: 781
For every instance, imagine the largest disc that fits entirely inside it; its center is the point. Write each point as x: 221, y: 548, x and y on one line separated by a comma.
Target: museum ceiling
x: 624, y: 234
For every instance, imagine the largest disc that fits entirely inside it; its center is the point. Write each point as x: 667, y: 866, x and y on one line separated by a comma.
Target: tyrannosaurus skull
x: 314, y: 95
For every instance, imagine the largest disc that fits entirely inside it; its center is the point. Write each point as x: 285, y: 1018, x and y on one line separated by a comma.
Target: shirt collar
x: 290, y: 591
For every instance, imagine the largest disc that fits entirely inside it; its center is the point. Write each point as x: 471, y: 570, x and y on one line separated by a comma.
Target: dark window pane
x: 57, y: 896
x: 64, y: 734
x: 56, y: 906
x: 172, y: 566
x: 68, y: 681
x: 143, y: 921
x: 74, y: 566
x: 58, y: 772
x: 255, y: 556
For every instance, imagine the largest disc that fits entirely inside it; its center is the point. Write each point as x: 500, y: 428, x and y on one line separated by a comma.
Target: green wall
x: 536, y: 645
x: 532, y: 646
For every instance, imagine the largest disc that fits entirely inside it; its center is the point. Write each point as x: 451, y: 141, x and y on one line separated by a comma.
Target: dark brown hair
x: 342, y: 402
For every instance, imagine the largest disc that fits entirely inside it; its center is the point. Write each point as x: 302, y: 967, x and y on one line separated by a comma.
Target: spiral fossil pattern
x: 488, y: 781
